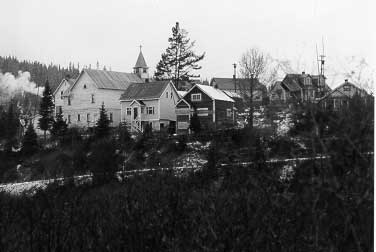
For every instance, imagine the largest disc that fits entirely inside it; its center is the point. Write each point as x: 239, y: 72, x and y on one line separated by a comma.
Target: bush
x: 103, y: 160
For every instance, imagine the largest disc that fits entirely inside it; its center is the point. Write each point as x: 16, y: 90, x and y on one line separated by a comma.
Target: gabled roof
x: 232, y: 94
x: 181, y: 93
x: 143, y: 91
x: 241, y: 84
x: 140, y: 63
x: 212, y: 92
x: 70, y: 81
x: 292, y: 82
x: 337, y: 90
x: 104, y: 79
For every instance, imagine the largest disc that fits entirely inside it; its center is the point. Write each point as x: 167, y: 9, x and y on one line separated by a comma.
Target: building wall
x: 81, y: 103
x: 59, y: 101
x: 168, y: 101
x: 153, y: 118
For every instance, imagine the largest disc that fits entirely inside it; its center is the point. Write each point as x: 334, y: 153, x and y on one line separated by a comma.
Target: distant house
x: 80, y: 103
x: 341, y: 95
x: 61, y: 92
x: 214, y: 108
x: 150, y: 103
x: 277, y: 93
x: 301, y: 88
x: 242, y: 88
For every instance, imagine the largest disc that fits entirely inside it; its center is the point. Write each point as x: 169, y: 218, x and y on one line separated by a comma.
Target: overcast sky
x: 111, y: 31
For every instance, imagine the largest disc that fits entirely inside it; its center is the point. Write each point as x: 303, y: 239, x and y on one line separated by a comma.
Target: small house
x: 150, y: 103
x: 214, y: 108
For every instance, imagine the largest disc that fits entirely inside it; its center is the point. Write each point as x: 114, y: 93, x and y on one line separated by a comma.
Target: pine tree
x: 29, y: 142
x: 179, y: 59
x: 46, y: 110
x: 102, y: 128
x: 59, y: 126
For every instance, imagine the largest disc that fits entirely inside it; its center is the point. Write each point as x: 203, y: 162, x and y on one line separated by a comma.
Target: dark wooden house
x: 214, y: 108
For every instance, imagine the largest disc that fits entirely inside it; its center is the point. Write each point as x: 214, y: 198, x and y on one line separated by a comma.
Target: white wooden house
x: 62, y: 91
x: 150, y: 103
x: 81, y: 101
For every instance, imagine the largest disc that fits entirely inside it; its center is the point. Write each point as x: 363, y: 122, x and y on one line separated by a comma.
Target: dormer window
x: 144, y: 70
x: 195, y: 97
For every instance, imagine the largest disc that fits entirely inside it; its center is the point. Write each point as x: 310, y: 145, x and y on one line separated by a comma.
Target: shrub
x: 103, y: 161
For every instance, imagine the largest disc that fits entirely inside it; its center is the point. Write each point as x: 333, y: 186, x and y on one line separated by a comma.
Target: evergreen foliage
x: 30, y: 141
x: 179, y: 60
x: 46, y: 110
x: 59, y: 126
x: 11, y: 126
x: 39, y: 72
x: 102, y: 128
x: 125, y: 140
x: 103, y: 160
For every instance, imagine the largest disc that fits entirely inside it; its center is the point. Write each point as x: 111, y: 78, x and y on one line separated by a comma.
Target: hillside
x: 39, y: 72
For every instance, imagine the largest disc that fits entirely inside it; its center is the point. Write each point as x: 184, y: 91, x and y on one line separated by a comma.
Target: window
x: 142, y: 110
x: 171, y: 95
x: 69, y: 121
x: 85, y: 86
x: 129, y: 111
x: 69, y: 101
x: 195, y: 97
x: 78, y: 117
x: 61, y: 95
x: 144, y: 70
x: 202, y: 111
x: 346, y: 88
x: 59, y: 110
x: 111, y: 118
x: 92, y: 98
x: 150, y: 110
x: 88, y: 117
x: 228, y: 112
x: 166, y: 94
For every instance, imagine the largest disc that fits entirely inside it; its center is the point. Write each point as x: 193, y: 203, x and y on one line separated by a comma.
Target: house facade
x: 214, y: 108
x: 150, y: 103
x: 80, y: 103
x: 300, y: 88
x: 61, y: 92
x: 341, y: 95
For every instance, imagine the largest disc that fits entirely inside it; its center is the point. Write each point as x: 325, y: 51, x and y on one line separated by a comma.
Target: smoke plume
x: 11, y: 85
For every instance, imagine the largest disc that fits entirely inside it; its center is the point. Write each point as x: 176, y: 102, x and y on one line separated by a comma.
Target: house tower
x: 141, y: 69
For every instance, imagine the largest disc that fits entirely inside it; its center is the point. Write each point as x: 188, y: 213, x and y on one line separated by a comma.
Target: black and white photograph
x: 187, y: 125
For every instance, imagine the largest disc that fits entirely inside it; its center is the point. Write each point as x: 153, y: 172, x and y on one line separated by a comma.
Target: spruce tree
x: 46, y: 110
x: 179, y: 59
x: 102, y: 128
x: 29, y: 142
x: 11, y: 126
x: 59, y: 126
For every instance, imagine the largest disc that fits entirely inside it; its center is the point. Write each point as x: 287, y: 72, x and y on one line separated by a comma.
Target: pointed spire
x: 141, y: 63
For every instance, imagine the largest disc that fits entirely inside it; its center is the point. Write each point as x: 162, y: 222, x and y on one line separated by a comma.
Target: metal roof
x: 148, y: 90
x: 112, y: 80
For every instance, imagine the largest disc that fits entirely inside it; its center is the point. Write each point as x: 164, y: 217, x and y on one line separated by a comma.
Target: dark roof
x: 148, y: 90
x: 293, y: 82
x: 241, y: 84
x: 141, y: 61
x: 112, y: 80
